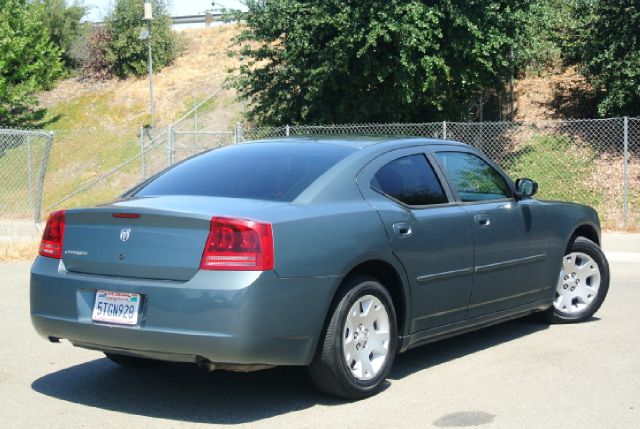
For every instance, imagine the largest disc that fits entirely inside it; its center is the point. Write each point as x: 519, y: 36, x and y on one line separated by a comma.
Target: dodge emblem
x: 124, y: 234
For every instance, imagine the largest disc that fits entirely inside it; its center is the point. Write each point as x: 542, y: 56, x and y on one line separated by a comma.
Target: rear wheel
x: 582, y: 285
x: 359, y: 344
x: 130, y: 361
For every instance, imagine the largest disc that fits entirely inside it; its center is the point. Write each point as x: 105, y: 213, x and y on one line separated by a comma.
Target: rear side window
x: 410, y: 180
x: 264, y: 171
x: 473, y: 178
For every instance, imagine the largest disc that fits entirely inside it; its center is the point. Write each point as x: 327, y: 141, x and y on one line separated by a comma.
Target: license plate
x: 120, y: 308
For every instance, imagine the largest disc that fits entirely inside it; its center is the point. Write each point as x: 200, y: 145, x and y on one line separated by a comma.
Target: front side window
x: 473, y: 178
x: 410, y: 180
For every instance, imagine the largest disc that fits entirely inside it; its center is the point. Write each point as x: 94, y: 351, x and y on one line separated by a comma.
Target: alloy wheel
x: 578, y: 283
x: 365, y: 340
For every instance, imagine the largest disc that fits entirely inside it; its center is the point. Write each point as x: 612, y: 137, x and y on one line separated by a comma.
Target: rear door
x: 510, y: 240
x: 429, y: 234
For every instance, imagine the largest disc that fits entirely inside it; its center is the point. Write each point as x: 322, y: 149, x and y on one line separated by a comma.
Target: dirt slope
x: 201, y: 69
x: 563, y: 95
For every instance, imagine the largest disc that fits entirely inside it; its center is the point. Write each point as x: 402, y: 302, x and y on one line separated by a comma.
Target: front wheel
x: 359, y: 344
x: 582, y: 285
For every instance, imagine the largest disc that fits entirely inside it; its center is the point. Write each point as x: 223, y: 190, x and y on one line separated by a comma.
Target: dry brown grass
x: 202, y: 68
x: 554, y: 95
x: 18, y: 250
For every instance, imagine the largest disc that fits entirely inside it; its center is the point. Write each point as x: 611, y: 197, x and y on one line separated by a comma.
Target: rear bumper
x: 224, y: 317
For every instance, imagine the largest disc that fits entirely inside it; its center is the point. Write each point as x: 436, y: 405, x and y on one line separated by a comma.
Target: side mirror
x: 526, y: 188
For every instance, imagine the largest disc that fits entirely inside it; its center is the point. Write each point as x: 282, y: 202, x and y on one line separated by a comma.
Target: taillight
x: 53, y: 235
x: 238, y: 244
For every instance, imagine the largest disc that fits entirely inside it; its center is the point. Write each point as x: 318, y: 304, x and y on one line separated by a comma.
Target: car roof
x: 362, y: 141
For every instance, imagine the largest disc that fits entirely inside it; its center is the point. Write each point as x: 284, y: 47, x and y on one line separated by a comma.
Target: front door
x: 431, y: 236
x: 510, y: 244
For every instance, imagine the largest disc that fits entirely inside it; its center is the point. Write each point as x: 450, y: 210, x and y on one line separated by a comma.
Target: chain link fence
x: 86, y: 171
x: 631, y: 168
x: 595, y: 162
x: 200, y: 128
x: 24, y: 156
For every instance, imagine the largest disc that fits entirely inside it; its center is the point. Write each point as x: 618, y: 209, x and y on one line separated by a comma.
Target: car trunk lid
x: 152, y: 238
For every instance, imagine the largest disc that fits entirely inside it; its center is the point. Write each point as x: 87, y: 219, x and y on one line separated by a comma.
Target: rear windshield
x: 264, y: 171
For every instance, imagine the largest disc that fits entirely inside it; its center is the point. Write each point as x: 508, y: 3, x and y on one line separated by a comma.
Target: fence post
x: 173, y: 145
x: 625, y: 192
x: 195, y: 122
x: 41, y: 176
x: 142, y: 172
x: 287, y: 130
x: 238, y: 133
x: 444, y: 130
x: 29, y: 171
x: 170, y: 135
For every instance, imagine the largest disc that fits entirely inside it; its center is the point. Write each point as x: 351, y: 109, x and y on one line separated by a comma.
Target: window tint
x: 267, y: 171
x: 473, y: 178
x: 410, y: 180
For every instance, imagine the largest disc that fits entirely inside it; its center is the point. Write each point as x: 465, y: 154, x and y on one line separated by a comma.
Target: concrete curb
x: 620, y: 242
x: 623, y: 256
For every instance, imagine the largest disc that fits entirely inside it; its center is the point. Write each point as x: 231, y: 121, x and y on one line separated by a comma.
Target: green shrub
x: 324, y: 61
x: 606, y: 46
x: 29, y: 61
x: 126, y: 53
x: 64, y: 27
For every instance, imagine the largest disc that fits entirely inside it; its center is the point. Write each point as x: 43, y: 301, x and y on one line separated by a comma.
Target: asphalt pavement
x: 520, y: 374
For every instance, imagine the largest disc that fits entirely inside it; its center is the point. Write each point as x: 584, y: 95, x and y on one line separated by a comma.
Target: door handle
x: 402, y: 229
x: 482, y: 220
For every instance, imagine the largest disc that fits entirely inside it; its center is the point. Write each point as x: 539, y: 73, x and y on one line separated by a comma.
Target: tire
x: 583, y: 283
x: 362, y: 328
x: 130, y: 361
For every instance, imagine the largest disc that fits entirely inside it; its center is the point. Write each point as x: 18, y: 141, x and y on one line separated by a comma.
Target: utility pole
x: 148, y: 16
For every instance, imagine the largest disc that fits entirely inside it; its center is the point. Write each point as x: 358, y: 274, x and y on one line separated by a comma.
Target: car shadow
x: 182, y: 392
x: 439, y: 352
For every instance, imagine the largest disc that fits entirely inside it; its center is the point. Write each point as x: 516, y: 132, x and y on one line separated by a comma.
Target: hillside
x: 203, y: 67
x: 116, y: 103
x: 97, y: 124
x: 554, y: 95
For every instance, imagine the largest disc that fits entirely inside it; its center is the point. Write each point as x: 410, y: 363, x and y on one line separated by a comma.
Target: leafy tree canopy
x: 126, y: 53
x: 324, y: 61
x: 607, y: 48
x: 64, y: 26
x: 29, y: 61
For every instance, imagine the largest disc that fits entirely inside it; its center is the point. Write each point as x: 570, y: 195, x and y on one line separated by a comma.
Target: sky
x: 98, y: 9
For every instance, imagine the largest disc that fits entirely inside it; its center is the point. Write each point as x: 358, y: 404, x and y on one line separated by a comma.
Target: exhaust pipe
x: 205, y: 365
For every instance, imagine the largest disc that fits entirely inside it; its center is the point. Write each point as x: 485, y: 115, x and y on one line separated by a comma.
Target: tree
x: 64, y: 26
x: 29, y: 61
x: 549, y: 24
x: 324, y: 61
x: 126, y: 53
x: 607, y: 49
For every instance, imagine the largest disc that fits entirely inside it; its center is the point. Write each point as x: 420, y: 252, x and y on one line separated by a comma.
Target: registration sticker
x: 120, y: 308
